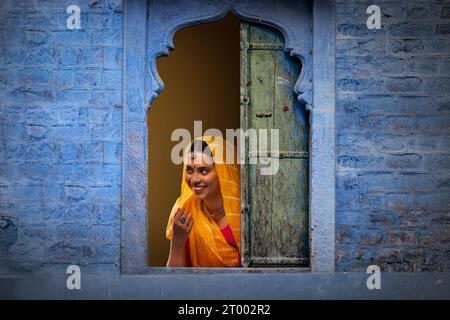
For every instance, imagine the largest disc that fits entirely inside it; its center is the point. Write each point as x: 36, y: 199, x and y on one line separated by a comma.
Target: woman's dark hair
x: 200, y: 146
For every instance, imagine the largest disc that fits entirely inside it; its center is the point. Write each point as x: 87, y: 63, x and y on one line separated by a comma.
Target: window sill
x: 270, y: 270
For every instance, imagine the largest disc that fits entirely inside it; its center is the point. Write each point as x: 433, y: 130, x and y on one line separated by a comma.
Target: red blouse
x: 227, y: 234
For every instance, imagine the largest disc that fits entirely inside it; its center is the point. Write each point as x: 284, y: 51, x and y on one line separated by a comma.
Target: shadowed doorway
x: 201, y: 82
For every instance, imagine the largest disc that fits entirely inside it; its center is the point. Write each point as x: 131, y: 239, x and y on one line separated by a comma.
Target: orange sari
x: 208, y: 247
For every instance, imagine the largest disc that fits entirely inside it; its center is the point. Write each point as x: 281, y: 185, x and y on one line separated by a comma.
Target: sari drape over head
x: 207, y: 245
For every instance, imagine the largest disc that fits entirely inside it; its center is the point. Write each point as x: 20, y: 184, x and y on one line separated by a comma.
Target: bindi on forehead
x: 197, y: 158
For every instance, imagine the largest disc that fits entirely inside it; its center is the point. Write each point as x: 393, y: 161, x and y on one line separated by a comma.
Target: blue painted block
x: 70, y: 151
x: 107, y: 174
x: 105, y: 132
x: 38, y: 38
x: 112, y: 58
x: 437, y: 162
x: 106, y: 193
x: 106, y: 234
x: 77, y: 78
x: 105, y: 37
x: 21, y: 6
x: 109, y: 252
x: 24, y: 212
x: 108, y: 212
x: 76, y: 38
x: 112, y: 79
x: 370, y: 65
x: 11, y: 19
x: 92, y: 151
x: 97, y: 115
x: 445, y: 66
x: 437, y: 85
x: 25, y: 193
x: 69, y: 213
x: 70, y: 252
x: 70, y: 57
x: 73, y: 193
x: 63, y: 78
x: 15, y: 56
x: 24, y: 94
x: 74, y: 173
x: 352, y: 218
x: 347, y: 201
x: 359, y: 46
x: 53, y: 193
x: 28, y: 252
x: 42, y: 115
x: 8, y: 235
x: 36, y: 132
x: 12, y: 151
x: 2, y: 53
x: 14, y: 37
x: 5, y: 175
x: 3, y: 77
x: 68, y: 115
x: 14, y: 131
x: 71, y: 132
x: 106, y: 97
x: 59, y: 6
x: 436, y: 46
x: 402, y: 200
x: 2, y: 92
x: 29, y: 76
x: 358, y: 84
x: 406, y: 29
x: 357, y: 30
x: 36, y: 173
x: 112, y: 152
x: 40, y: 21
x: 92, y: 57
x: 407, y: 46
x: 443, y: 29
x: 98, y: 21
x: 42, y: 57
x: 41, y: 151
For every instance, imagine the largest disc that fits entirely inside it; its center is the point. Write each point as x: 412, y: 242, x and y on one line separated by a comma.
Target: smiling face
x: 201, y: 176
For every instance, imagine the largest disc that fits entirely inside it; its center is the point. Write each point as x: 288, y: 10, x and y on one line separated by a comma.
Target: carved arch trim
x: 292, y: 19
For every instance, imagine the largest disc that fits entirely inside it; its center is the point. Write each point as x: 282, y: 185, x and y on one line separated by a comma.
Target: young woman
x: 204, y: 225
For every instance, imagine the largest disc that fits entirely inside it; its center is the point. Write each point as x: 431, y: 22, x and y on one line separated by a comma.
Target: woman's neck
x: 215, y: 207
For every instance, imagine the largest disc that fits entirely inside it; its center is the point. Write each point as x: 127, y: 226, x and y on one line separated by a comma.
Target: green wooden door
x: 275, y: 214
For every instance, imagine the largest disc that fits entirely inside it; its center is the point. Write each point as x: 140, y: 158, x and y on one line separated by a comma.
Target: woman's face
x: 201, y: 176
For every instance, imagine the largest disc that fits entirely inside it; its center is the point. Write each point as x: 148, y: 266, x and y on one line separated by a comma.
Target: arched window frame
x: 308, y: 30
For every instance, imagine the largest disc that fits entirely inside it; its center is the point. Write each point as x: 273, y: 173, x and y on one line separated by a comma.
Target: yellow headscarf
x: 208, y: 247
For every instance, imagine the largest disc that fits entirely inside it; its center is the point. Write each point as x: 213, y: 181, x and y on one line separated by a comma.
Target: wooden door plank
x: 277, y: 219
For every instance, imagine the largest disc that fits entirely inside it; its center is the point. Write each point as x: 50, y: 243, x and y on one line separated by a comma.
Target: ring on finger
x: 182, y: 220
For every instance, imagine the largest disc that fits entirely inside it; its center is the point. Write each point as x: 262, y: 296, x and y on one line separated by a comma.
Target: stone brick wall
x: 392, y: 121
x: 60, y: 140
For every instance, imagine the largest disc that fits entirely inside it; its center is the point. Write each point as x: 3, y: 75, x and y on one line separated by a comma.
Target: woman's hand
x: 182, y: 226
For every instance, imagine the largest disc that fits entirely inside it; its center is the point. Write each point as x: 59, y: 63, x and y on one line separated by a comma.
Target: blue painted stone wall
x: 392, y: 121
x: 60, y: 140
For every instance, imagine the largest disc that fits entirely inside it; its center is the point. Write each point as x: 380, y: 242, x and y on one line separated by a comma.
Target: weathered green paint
x: 275, y: 208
